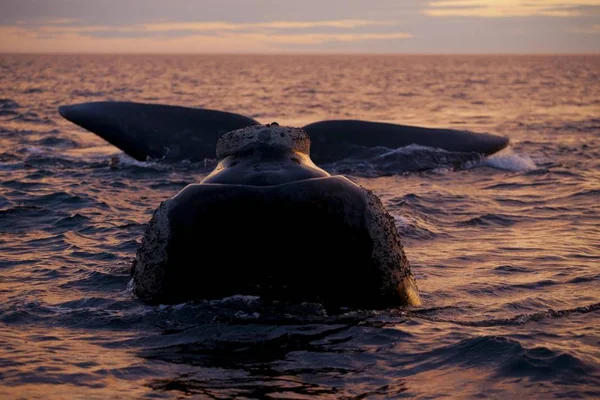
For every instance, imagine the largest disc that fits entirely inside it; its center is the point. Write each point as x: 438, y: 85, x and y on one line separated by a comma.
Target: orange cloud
x: 590, y: 30
x: 76, y: 39
x: 58, y: 26
x: 507, y: 8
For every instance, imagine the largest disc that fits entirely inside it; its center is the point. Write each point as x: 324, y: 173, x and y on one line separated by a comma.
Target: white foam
x: 129, y: 289
x: 410, y: 149
x: 402, y: 221
x: 508, y: 160
x: 245, y: 299
x: 124, y: 160
x: 34, y: 150
x: 245, y: 315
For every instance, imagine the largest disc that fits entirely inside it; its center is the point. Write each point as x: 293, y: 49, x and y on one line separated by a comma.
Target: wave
x: 122, y: 161
x: 382, y: 161
x: 413, y: 226
x: 55, y: 141
x: 585, y: 193
x: 516, y: 320
x: 508, y: 160
x: 32, y: 117
x: 6, y: 104
x: 8, y: 107
x: 508, y: 357
x: 490, y: 220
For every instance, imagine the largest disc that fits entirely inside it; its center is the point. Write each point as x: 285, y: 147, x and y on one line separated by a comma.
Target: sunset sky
x: 307, y: 26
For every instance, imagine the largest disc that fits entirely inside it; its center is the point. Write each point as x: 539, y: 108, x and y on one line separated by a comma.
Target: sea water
x: 505, y: 248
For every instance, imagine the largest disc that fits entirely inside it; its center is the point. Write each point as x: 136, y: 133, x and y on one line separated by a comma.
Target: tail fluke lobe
x: 174, y: 133
x: 156, y: 131
x: 334, y: 140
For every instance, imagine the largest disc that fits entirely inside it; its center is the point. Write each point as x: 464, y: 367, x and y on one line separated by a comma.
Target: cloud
x: 180, y: 37
x: 258, y: 26
x: 508, y: 8
x: 208, y: 26
x: 589, y: 30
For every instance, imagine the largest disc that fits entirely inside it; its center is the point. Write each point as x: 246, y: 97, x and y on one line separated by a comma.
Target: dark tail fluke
x: 336, y: 139
x: 174, y: 133
x: 157, y: 131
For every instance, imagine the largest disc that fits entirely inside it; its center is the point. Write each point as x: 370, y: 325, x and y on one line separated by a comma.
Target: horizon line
x: 330, y: 53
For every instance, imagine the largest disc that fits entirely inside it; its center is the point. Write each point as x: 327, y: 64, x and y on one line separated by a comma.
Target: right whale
x: 174, y: 133
x: 268, y: 222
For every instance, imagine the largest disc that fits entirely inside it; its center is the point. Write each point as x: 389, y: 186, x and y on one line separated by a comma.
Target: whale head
x: 271, y: 136
x: 264, y: 155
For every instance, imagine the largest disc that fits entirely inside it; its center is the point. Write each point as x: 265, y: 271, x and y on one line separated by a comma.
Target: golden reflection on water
x: 492, y: 250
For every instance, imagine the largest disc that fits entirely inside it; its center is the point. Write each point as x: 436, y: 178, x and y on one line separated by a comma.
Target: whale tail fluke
x: 349, y: 134
x: 156, y: 131
x: 174, y: 133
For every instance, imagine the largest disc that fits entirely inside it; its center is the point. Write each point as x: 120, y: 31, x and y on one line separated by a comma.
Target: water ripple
x: 504, y: 248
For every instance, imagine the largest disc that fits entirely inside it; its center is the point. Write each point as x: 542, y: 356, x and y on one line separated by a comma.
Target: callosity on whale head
x: 263, y: 156
x: 268, y: 222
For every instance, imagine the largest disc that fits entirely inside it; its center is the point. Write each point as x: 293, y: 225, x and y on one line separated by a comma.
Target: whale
x: 268, y: 222
x: 173, y: 133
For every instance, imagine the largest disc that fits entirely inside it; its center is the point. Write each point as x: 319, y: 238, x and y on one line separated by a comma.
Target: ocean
x: 505, y: 249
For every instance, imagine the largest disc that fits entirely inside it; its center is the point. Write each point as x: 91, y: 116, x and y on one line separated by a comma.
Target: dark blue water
x: 505, y: 249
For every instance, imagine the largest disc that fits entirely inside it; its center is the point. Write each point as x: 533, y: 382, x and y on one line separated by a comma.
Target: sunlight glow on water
x: 505, y: 249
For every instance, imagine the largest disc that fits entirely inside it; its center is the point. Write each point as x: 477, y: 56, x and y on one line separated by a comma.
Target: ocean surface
x: 505, y: 249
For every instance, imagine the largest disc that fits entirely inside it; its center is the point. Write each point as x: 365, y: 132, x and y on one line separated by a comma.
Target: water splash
x: 508, y: 160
